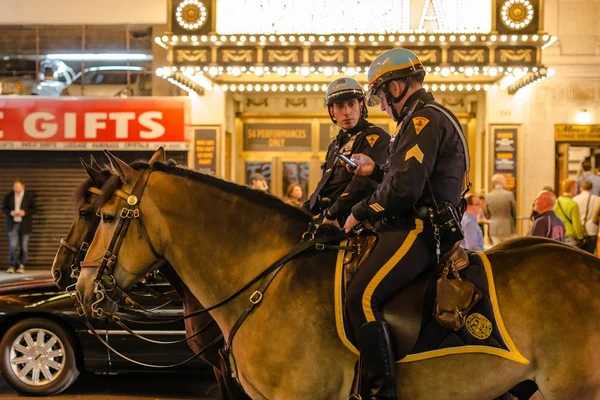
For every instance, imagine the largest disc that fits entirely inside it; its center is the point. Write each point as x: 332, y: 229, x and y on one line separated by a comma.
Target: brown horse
x: 82, y: 231
x: 218, y: 236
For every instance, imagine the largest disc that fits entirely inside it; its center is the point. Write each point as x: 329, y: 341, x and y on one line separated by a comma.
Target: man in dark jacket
x: 546, y: 223
x: 424, y: 174
x: 19, y: 207
x: 338, y: 190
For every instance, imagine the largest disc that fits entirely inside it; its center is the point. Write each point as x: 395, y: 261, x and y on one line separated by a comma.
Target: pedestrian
x: 500, y: 209
x: 568, y: 211
x: 293, y: 195
x: 19, y: 206
x: 473, y: 235
x: 588, y: 175
x: 546, y: 223
x: 259, y: 182
x: 587, y: 203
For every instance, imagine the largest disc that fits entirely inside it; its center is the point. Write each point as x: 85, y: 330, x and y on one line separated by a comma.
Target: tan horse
x: 218, y: 236
x: 82, y: 230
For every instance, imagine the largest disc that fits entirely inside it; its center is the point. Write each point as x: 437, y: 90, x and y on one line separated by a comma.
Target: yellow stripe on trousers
x: 387, y: 267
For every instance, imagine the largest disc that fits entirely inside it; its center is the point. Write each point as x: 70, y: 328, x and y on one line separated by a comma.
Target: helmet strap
x: 331, y: 114
x: 391, y: 100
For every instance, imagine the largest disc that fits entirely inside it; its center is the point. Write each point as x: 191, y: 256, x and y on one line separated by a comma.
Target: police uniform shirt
x: 425, y: 145
x: 341, y: 187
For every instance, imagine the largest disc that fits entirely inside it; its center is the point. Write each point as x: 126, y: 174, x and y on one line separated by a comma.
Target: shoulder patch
x: 419, y: 123
x: 415, y: 152
x: 372, y: 139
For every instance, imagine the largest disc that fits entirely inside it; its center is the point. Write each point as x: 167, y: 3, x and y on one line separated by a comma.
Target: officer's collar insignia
x: 419, y: 123
x: 372, y: 139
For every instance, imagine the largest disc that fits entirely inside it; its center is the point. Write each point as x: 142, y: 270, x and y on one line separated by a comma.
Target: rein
x: 109, y: 259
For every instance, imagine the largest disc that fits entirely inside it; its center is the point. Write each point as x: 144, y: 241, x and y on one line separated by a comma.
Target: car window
x: 107, y: 78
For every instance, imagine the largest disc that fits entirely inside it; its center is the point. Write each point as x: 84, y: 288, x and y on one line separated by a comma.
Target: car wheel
x: 38, y: 358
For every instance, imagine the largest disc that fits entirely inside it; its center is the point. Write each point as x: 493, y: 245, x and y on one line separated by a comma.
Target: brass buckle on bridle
x: 256, y: 297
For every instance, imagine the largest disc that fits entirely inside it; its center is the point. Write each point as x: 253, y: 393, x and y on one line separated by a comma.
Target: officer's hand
x: 351, y: 222
x: 333, y: 222
x: 366, y: 165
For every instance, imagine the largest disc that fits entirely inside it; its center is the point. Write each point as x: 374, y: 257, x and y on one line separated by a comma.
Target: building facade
x: 522, y: 76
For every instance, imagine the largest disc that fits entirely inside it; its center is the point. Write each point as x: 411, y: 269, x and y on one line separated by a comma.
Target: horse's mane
x: 80, y: 194
x: 254, y: 196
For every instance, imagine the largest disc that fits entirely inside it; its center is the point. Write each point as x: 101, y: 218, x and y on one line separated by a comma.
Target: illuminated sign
x: 342, y: 16
x: 577, y: 133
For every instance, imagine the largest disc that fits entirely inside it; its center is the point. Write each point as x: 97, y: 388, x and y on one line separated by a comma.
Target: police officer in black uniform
x: 339, y: 189
x: 424, y: 173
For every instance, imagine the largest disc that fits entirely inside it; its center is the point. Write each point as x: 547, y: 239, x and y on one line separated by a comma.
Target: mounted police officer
x: 419, y: 190
x: 338, y: 190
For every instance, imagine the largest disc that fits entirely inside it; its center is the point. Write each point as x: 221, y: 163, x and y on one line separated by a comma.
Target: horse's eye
x: 107, y: 218
x: 84, y: 214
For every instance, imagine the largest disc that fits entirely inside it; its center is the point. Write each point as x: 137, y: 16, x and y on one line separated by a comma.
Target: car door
x: 141, y: 350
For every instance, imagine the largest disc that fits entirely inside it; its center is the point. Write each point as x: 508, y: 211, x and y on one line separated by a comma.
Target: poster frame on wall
x: 494, y: 131
x: 218, y: 157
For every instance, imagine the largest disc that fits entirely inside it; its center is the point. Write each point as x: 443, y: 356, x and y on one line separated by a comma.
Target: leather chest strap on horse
x: 299, y: 248
x: 269, y: 274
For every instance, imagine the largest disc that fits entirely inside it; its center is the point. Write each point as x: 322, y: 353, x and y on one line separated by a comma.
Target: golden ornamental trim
x: 257, y: 102
x: 525, y: 55
x: 284, y: 55
x: 334, y: 55
x: 237, y: 55
x: 427, y: 56
x: 468, y: 55
x: 295, y: 102
x: 453, y: 102
x: 367, y: 56
x: 192, y: 55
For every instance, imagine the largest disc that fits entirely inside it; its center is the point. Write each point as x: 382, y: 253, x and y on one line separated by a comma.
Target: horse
x: 75, y: 244
x: 218, y: 236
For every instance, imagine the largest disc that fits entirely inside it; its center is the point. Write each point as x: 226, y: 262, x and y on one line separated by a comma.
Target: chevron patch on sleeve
x: 376, y: 207
x: 415, y: 152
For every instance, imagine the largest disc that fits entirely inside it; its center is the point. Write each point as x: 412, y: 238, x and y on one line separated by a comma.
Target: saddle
x: 404, y: 311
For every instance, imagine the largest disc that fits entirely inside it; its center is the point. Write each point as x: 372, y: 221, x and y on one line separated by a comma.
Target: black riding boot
x: 378, y: 358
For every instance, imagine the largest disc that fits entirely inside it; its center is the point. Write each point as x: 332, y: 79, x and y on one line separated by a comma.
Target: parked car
x: 17, y: 77
x: 111, y: 81
x: 44, y: 344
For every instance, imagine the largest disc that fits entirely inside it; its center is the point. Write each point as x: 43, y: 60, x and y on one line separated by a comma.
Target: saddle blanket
x: 484, y: 331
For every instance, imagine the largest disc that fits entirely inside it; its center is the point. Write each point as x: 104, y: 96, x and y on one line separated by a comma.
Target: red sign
x: 33, y: 122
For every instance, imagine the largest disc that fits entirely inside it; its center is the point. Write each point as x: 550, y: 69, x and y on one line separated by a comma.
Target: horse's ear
x: 121, y: 168
x: 159, y: 155
x: 94, y: 164
x: 95, y: 175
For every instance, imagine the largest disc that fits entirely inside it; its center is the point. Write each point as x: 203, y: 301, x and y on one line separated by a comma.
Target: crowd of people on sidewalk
x: 572, y: 217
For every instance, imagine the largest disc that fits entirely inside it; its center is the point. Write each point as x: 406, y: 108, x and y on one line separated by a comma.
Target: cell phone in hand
x: 347, y: 160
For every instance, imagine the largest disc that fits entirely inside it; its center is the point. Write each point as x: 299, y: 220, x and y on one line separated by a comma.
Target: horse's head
x: 73, y: 247
x: 126, y: 244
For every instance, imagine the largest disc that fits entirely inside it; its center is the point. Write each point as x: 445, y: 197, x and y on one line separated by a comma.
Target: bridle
x: 81, y: 251
x: 106, y: 268
x: 105, y: 282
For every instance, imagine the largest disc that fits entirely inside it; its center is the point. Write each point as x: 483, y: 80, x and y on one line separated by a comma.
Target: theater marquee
x: 301, y: 45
